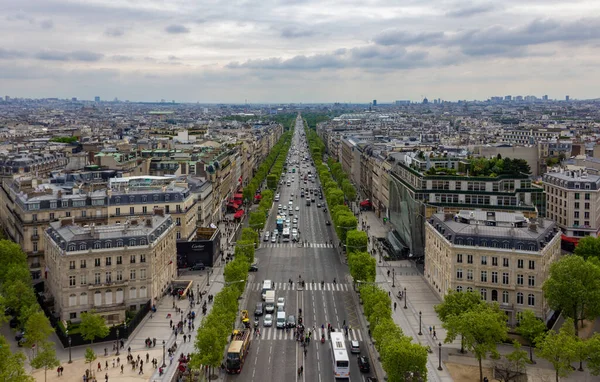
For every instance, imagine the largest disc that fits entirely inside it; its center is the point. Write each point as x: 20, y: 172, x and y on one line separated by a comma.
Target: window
x: 117, y: 211
x: 34, y: 217
x: 469, y: 289
x: 82, y: 264
x: 97, y: 245
x: 459, y: 288
x: 131, y: 210
x: 586, y: 215
x: 83, y: 279
x: 119, y: 243
x: 483, y: 260
x: 586, y: 206
x: 459, y: 274
x: 531, y: 281
x: 495, y: 261
x: 72, y: 281
x: 470, y: 259
x: 587, y: 196
x: 72, y: 264
x: 119, y: 276
x: 68, y: 214
x: 144, y: 210
x: 178, y: 221
x: 132, y: 274
x: 167, y: 209
x: 108, y: 244
x: 577, y: 205
x: 519, y: 298
x: 505, y: 262
x: 505, y: 278
x: 577, y: 196
x: 494, y: 295
x: 505, y: 297
x: 132, y: 259
x: 519, y: 279
x: 119, y: 260
x: 470, y: 274
x: 142, y: 241
x: 142, y: 274
x: 531, y: 299
x: 97, y: 262
x: 531, y: 264
x: 494, y: 277
x: 483, y: 293
x: 83, y: 214
x: 178, y: 235
x: 484, y: 276
x: 72, y: 247
x: 97, y: 278
x: 109, y: 277
x: 576, y: 214
x: 108, y: 260
x: 35, y: 246
x: 132, y: 242
x: 142, y: 258
x: 51, y: 215
x: 82, y: 247
x: 520, y: 263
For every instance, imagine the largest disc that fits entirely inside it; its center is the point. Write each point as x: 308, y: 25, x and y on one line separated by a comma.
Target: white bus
x: 286, y: 234
x: 341, y: 362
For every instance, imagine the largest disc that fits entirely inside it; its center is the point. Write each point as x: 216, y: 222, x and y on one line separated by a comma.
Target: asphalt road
x: 275, y: 355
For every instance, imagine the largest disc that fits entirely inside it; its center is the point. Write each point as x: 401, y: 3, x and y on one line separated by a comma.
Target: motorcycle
x: 322, y: 338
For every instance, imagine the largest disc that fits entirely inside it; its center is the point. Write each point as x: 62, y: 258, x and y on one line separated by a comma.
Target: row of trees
x: 401, y: 359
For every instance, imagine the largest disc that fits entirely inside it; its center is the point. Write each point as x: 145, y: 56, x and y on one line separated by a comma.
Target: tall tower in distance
x: 97, y: 99
x: 567, y: 98
x: 374, y: 102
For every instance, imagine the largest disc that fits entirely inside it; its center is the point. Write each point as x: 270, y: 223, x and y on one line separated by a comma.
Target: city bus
x: 341, y: 362
x: 286, y: 234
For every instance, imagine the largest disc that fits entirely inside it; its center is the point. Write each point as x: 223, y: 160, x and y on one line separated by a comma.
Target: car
x: 325, y: 209
x: 259, y: 310
x: 281, y: 304
x: 327, y: 222
x: 354, y: 347
x: 268, y: 320
x: 297, y: 208
x: 291, y: 322
x: 253, y: 268
x: 292, y: 194
x: 312, y: 199
x: 198, y: 267
x: 14, y: 323
x: 363, y: 364
x: 318, y: 205
x: 285, y: 208
x: 267, y: 236
x: 273, y: 238
x: 280, y: 206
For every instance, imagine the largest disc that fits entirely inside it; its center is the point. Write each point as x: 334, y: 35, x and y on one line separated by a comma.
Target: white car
x: 268, y: 320
x: 297, y: 208
x: 267, y: 234
x: 273, y: 238
x: 281, y: 304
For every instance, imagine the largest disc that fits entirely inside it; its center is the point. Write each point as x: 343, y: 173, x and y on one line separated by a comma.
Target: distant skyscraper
x: 7, y: 98
x: 545, y: 97
x: 374, y: 102
x: 74, y: 99
x: 567, y: 98
x: 425, y: 101
x: 508, y: 98
x: 97, y: 98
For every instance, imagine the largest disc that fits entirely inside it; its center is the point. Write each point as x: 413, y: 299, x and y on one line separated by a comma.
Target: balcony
x: 35, y: 237
x: 112, y: 284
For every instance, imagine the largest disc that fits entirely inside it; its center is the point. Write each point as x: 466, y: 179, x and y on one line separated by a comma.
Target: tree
x: 12, y: 366
x: 593, y: 349
x: 272, y: 181
x: 455, y: 304
x: 90, y: 356
x: 403, y: 360
x: 530, y: 327
x: 245, y: 248
x: 38, y: 329
x: 511, y: 366
x: 560, y: 349
x: 92, y: 326
x: 235, y: 271
x: 357, y: 241
x: 573, y: 286
x: 363, y: 267
x: 587, y: 247
x: 250, y: 234
x: 45, y: 358
x: 482, y: 328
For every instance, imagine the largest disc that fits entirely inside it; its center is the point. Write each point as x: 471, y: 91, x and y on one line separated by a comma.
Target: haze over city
x: 299, y: 51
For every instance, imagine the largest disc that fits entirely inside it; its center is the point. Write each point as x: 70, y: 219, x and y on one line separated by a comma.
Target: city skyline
x: 299, y: 51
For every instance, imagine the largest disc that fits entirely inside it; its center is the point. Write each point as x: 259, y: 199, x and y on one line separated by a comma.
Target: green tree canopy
x: 12, y: 366
x: 587, y: 247
x: 38, y: 329
x: 455, y: 304
x: 531, y: 328
x: 92, y: 326
x: 560, y: 349
x: 363, y: 266
x: 593, y: 349
x: 404, y: 360
x: 45, y: 358
x: 573, y: 286
x: 356, y: 241
x: 235, y: 271
x: 245, y: 248
x: 257, y: 220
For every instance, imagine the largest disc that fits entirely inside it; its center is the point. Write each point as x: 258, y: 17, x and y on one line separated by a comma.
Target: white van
x: 280, y: 320
x: 267, y: 285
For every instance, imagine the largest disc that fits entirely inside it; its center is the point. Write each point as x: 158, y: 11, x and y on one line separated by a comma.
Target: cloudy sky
x: 299, y: 50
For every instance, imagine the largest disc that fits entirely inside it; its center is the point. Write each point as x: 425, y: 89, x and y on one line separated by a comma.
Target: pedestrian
x: 430, y: 330
x: 114, y: 363
x: 106, y: 365
x: 99, y: 366
x: 434, y: 335
x: 141, y: 370
x: 118, y: 361
x: 170, y: 323
x: 184, y: 338
x: 129, y: 350
x: 189, y: 337
x: 147, y: 357
x: 106, y: 377
x: 395, y: 306
x: 58, y: 371
x: 388, y: 272
x: 389, y: 294
x: 122, y: 369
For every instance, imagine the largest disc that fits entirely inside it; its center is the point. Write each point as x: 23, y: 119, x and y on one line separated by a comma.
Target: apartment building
x: 503, y: 255
x: 109, y: 269
x: 416, y: 193
x: 573, y: 199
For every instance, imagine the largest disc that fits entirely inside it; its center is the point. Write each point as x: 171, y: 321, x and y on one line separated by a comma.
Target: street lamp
x: 420, y: 331
x: 70, y: 361
x: 164, y: 364
x: 405, y: 296
x: 118, y: 341
x: 208, y: 272
x: 440, y: 356
x: 393, y: 278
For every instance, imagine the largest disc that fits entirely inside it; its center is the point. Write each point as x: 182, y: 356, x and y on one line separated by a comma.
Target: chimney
x: 149, y: 222
x: 67, y: 221
x: 159, y: 211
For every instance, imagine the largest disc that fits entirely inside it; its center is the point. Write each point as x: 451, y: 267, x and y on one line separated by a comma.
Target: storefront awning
x: 365, y: 203
x: 238, y: 196
x: 568, y: 239
x: 258, y: 196
x: 238, y: 214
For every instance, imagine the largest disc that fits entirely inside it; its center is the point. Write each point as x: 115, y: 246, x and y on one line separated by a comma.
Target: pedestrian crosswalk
x: 327, y: 287
x: 296, y: 245
x: 274, y: 334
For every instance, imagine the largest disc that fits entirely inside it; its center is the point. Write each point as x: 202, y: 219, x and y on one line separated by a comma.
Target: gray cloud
x: 47, y: 24
x: 177, y: 29
x: 295, y: 32
x: 401, y: 37
x: 78, y: 55
x: 471, y: 10
x: 121, y: 58
x: 8, y: 54
x: 114, y: 31
x: 173, y: 58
